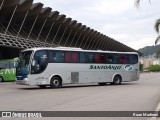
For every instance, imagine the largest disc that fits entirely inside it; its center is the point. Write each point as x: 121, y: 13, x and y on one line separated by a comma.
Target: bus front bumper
x: 23, y: 82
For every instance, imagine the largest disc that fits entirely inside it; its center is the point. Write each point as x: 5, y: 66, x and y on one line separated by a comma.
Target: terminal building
x: 24, y: 24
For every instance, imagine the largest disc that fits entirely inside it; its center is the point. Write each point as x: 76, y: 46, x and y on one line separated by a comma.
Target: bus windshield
x: 24, y: 59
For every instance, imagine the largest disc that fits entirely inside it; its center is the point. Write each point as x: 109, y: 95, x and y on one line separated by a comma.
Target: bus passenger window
x: 82, y: 58
x: 115, y: 59
x: 133, y: 59
x: 4, y: 65
x: 96, y: 58
x: 127, y: 59
x: 12, y: 64
x: 75, y: 57
x: 86, y: 57
x: 120, y: 59
x: 59, y: 56
x: 89, y: 57
x: 52, y: 56
x: 110, y: 59
x: 71, y: 57
x: 67, y: 57
x: 102, y: 58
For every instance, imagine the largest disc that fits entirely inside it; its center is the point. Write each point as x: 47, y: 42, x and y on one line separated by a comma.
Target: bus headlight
x: 26, y: 79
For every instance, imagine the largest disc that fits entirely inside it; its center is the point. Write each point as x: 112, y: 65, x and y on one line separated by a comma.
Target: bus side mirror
x: 33, y: 63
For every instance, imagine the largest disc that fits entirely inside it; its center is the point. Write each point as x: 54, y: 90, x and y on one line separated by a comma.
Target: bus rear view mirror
x: 33, y: 63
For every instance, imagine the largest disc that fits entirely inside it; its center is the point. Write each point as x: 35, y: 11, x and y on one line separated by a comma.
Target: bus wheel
x: 1, y: 79
x: 42, y: 86
x: 117, y: 80
x: 55, y: 82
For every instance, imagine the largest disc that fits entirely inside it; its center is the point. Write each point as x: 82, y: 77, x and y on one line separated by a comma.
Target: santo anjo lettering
x: 105, y: 67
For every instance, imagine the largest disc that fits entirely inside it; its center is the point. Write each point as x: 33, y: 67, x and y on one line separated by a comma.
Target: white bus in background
x: 58, y: 66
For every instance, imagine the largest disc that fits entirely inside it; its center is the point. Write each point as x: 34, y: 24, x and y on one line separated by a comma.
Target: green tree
x: 157, y: 23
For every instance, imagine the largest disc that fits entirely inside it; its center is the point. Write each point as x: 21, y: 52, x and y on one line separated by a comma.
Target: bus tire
x: 55, y: 82
x: 117, y: 80
x: 1, y: 79
x: 42, y: 86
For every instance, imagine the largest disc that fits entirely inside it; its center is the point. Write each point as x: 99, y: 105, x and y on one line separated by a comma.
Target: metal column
x: 95, y: 41
x: 90, y: 43
x: 49, y: 31
x: 101, y: 43
x: 32, y: 26
x: 62, y: 36
x: 68, y: 36
x: 56, y: 33
x: 42, y: 28
x: 103, y: 47
x: 78, y: 39
x: 86, y: 41
x: 97, y: 46
x: 73, y: 38
x: 82, y: 40
x: 10, y: 20
x: 22, y: 23
x: 1, y: 4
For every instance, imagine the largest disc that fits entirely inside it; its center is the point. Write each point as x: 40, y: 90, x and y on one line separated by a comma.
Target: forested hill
x: 149, y: 50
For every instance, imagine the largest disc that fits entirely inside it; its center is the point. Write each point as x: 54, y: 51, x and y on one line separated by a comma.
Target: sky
x: 118, y: 19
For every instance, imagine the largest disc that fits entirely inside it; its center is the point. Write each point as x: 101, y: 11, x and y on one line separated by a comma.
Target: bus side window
x: 75, y: 57
x: 115, y: 59
x: 52, y: 56
x: 60, y: 56
x: 120, y: 59
x: 4, y: 65
x: 127, y: 59
x: 12, y: 64
x: 86, y: 57
x: 99, y: 58
x: 96, y: 58
x: 133, y: 59
x: 109, y: 58
x: 89, y: 57
x: 82, y: 58
x: 102, y: 58
x: 67, y: 58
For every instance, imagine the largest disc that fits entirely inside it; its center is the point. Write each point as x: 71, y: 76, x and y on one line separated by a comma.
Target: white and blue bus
x: 58, y: 66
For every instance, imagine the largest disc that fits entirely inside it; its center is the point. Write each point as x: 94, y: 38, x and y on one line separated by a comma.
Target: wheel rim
x: 117, y: 80
x: 56, y: 83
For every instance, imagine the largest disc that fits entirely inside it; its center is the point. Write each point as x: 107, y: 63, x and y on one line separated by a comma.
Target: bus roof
x: 76, y: 49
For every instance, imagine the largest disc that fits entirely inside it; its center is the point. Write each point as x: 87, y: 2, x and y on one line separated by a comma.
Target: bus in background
x: 8, y: 70
x: 61, y: 65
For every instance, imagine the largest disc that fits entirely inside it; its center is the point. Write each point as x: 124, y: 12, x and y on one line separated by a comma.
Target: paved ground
x: 142, y: 95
